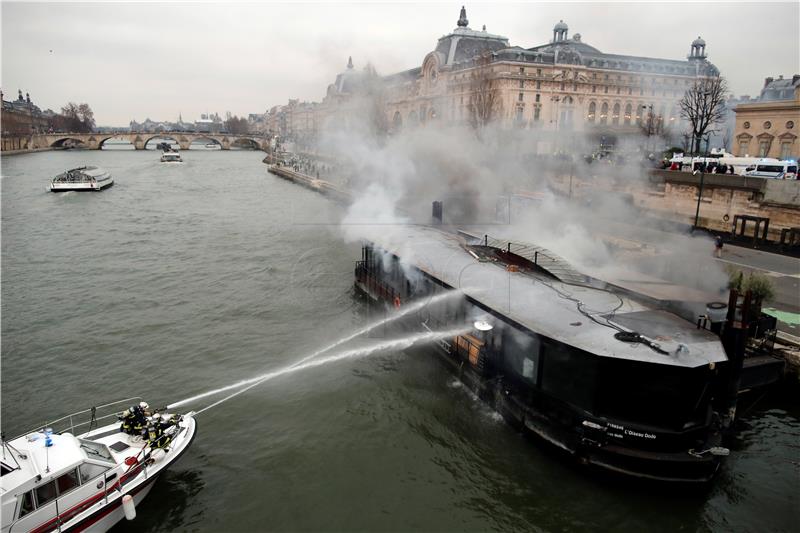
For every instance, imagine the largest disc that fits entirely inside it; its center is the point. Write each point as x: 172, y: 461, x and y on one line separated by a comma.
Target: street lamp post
x: 699, y: 194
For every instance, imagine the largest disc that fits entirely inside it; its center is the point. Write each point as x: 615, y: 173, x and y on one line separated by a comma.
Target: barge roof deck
x: 547, y: 306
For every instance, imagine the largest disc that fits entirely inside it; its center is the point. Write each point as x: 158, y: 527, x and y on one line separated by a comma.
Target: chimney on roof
x: 768, y: 80
x: 437, y: 212
x: 795, y: 78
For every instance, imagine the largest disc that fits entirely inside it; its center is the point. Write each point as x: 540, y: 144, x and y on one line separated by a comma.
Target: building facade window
x: 744, y: 145
x: 628, y: 110
x: 538, y: 98
x: 767, y: 125
x: 615, y: 115
x: 520, y: 97
x: 538, y: 85
x: 536, y: 112
x: 604, y: 113
x: 764, y: 146
x: 789, y: 125
x: 521, y: 70
x: 786, y: 150
x: 538, y: 72
x: 746, y: 125
x: 521, y: 84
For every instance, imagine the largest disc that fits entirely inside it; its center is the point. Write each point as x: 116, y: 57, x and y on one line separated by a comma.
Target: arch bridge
x: 95, y: 141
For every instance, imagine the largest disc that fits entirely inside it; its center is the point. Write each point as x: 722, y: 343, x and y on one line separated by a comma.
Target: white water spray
x: 399, y: 313
x: 403, y: 311
x: 394, y: 344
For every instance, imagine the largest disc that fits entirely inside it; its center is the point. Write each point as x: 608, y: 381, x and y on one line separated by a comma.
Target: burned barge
x: 616, y: 382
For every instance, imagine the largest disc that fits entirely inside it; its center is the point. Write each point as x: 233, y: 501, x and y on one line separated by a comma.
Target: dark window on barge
x: 569, y: 374
x: 655, y: 395
x: 520, y: 355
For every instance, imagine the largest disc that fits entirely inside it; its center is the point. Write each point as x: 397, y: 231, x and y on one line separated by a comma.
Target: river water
x: 183, y: 278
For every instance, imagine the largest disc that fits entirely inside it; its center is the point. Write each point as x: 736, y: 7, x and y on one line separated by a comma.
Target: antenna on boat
x: 48, y: 442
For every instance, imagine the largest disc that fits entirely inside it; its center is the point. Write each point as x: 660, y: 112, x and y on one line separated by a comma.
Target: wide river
x: 183, y: 278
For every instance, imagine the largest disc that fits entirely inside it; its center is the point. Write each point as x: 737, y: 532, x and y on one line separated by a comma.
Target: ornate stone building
x: 767, y: 127
x: 564, y: 85
x: 23, y: 117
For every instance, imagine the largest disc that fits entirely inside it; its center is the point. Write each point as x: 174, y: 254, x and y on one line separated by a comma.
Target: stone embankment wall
x: 672, y: 195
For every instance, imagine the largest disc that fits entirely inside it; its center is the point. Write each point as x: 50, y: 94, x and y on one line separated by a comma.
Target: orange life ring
x: 397, y: 302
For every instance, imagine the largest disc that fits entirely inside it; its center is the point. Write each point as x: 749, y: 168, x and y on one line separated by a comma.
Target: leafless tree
x: 703, y: 105
x: 77, y: 118
x: 237, y: 125
x: 485, y: 102
x: 685, y: 137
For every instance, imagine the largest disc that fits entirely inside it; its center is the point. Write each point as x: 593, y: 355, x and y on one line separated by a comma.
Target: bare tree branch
x: 703, y: 106
x: 484, y: 94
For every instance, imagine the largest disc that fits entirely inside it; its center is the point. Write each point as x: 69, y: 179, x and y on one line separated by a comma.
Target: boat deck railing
x: 538, y: 255
x: 89, y: 418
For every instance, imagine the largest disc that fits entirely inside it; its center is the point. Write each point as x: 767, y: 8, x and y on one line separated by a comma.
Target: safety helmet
x: 143, y: 405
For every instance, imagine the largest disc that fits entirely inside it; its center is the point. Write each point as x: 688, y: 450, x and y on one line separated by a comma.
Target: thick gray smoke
x: 583, y: 211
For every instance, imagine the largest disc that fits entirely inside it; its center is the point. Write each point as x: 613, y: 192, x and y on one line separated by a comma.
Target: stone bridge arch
x: 101, y: 140
x: 182, y: 141
x: 208, y: 138
x: 60, y: 142
x: 246, y: 141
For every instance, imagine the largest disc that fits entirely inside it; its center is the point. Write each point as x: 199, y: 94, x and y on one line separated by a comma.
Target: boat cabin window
x: 27, y: 504
x: 51, y: 490
x: 67, y: 482
x: 655, y: 395
x: 97, y: 451
x: 5, y: 469
x: 521, y: 355
x: 569, y: 374
x: 89, y: 471
x: 46, y: 493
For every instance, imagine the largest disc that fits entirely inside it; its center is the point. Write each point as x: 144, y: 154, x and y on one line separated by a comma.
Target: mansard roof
x: 464, y: 43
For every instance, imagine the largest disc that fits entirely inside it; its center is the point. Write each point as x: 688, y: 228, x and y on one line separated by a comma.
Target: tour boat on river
x: 171, y: 157
x: 82, y: 179
x: 76, y: 481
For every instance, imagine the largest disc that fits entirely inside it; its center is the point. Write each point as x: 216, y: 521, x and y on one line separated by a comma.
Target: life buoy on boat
x: 397, y: 302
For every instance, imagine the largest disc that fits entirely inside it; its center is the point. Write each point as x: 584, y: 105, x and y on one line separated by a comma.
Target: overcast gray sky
x: 138, y: 60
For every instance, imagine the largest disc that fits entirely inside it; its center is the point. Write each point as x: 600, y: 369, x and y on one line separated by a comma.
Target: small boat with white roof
x: 171, y: 156
x: 88, y: 477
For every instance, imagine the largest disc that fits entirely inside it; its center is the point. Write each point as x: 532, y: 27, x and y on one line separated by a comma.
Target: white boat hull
x: 99, y: 507
x: 66, y: 187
